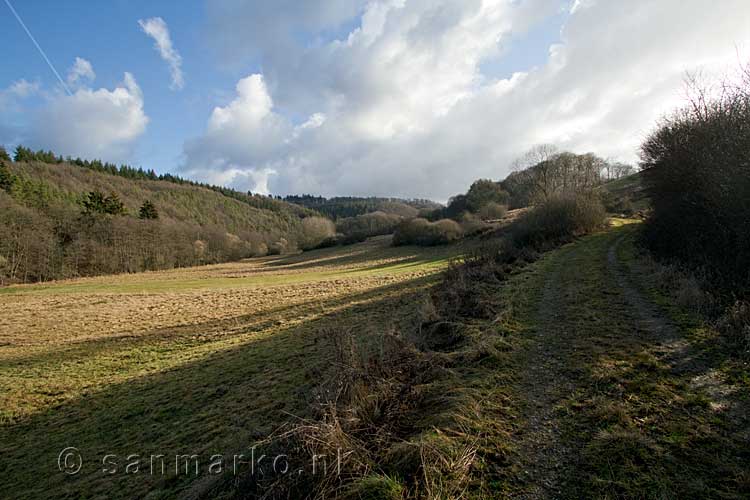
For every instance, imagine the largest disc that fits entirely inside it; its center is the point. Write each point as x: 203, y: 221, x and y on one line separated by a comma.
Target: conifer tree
x: 113, y: 205
x: 6, y: 177
x: 148, y: 211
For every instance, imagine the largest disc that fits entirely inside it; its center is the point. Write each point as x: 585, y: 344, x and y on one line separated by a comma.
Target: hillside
x: 627, y: 194
x: 41, y: 184
x: 352, y: 206
x: 51, y: 235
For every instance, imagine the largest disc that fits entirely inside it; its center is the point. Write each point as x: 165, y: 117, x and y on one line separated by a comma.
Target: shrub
x: 698, y: 176
x: 278, y: 247
x: 559, y: 219
x: 472, y: 225
x: 361, y: 227
x: 315, y: 231
x: 493, y: 211
x: 457, y: 205
x: 425, y: 233
x: 483, y: 192
x: 258, y: 249
x: 618, y: 205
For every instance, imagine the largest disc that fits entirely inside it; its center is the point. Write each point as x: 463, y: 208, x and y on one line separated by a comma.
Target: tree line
x: 267, y: 202
x: 351, y: 206
x: 60, y: 221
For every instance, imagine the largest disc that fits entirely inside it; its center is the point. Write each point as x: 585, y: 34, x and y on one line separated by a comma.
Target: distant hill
x: 351, y: 206
x: 57, y: 220
x: 627, y: 195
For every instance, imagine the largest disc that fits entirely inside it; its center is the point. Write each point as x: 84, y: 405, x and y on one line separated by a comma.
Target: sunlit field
x: 198, y: 361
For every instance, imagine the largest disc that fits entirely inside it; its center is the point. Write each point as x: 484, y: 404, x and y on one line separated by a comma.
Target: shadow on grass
x: 240, y: 324
x: 366, y: 252
x: 635, y: 425
x: 220, y: 404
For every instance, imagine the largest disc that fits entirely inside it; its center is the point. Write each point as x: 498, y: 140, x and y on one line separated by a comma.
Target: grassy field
x: 586, y: 381
x: 193, y: 361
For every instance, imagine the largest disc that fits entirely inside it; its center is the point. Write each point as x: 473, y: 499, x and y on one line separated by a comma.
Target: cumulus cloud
x: 157, y: 29
x: 80, y: 72
x: 396, y: 101
x: 20, y: 89
x: 91, y: 123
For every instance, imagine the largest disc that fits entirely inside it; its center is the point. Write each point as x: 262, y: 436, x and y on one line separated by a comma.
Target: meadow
x: 198, y: 361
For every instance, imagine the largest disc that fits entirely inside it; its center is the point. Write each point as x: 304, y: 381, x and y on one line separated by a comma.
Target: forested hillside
x: 351, y: 206
x: 62, y: 219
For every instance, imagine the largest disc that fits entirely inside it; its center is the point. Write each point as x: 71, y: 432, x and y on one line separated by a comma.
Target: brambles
x: 698, y: 177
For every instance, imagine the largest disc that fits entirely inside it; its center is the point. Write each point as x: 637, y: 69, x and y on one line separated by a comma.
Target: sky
x: 407, y: 98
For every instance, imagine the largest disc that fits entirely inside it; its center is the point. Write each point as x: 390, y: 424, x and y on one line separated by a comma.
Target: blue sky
x: 361, y: 97
x: 107, y: 34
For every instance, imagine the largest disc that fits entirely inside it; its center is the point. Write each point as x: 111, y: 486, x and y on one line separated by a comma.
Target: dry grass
x: 205, y: 359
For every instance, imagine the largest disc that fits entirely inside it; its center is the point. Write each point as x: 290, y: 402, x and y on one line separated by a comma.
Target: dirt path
x: 607, y: 377
x: 543, y: 386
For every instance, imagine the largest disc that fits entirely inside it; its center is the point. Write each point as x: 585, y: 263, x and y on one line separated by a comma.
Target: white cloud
x: 92, y: 123
x: 157, y: 29
x: 241, y: 136
x: 407, y: 110
x: 80, y: 71
x: 20, y: 89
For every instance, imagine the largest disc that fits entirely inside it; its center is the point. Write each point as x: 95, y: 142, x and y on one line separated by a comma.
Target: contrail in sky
x: 49, y: 63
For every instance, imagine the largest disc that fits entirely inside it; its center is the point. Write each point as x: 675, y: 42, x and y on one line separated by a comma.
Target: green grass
x: 636, y: 425
x: 629, y: 419
x: 206, y: 387
x: 630, y: 188
x: 400, y: 260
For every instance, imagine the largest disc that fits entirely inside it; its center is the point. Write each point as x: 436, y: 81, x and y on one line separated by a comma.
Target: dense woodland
x: 351, y: 206
x: 61, y: 220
